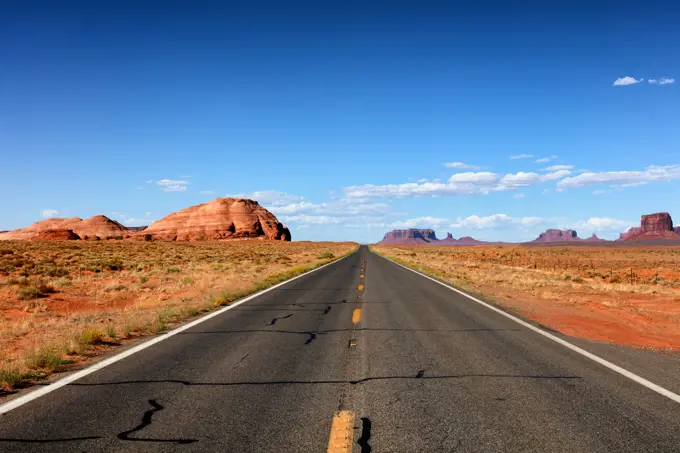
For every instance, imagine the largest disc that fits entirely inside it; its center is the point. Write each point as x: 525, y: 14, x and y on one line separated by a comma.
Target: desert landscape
x: 64, y: 300
x: 623, y: 292
x: 621, y: 295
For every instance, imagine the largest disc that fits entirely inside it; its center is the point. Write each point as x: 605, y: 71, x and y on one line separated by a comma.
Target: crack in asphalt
x: 147, y: 421
x: 273, y: 321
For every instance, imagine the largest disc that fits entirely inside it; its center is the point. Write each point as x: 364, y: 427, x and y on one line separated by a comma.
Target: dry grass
x: 628, y: 289
x: 61, y: 302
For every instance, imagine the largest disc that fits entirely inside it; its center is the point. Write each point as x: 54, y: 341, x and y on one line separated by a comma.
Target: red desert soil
x: 627, y: 296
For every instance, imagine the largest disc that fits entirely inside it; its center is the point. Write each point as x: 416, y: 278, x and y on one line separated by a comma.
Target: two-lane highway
x: 415, y: 366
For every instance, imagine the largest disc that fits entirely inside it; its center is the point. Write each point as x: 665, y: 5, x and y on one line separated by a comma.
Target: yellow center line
x: 342, y: 433
x: 356, y: 316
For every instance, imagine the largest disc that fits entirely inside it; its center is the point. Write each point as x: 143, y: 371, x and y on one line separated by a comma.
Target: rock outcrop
x: 425, y: 237
x: 56, y: 235
x: 631, y: 232
x: 222, y: 218
x: 652, y: 226
x: 594, y: 238
x: 97, y: 227
x: 553, y: 235
x: 411, y: 236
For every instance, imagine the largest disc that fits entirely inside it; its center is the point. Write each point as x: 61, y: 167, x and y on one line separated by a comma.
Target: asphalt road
x: 430, y: 371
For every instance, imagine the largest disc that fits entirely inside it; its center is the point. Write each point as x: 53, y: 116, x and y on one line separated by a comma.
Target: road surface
x: 422, y: 369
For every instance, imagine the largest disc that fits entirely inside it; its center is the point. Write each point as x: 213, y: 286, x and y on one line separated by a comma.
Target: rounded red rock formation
x: 222, y: 218
x: 56, y: 235
x: 97, y: 226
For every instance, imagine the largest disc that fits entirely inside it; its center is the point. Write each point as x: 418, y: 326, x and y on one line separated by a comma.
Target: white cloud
x: 625, y: 178
x: 47, y: 213
x: 518, y: 195
x: 460, y: 165
x: 207, y: 192
x: 168, y: 185
x: 662, y: 81
x: 149, y: 181
x: 186, y: 177
x: 542, y: 160
x: 555, y: 175
x: 634, y: 184
x: 148, y: 213
x: 495, y: 221
x: 531, y: 221
x: 520, y: 179
x: 305, y: 219
x: 422, y: 222
x: 521, y: 156
x: 559, y: 167
x: 460, y: 184
x: 477, y: 222
x: 623, y: 81
x: 300, y: 212
x: 482, y: 178
x: 601, y: 224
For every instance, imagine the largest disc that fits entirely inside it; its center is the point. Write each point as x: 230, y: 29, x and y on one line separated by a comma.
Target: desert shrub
x: 53, y: 271
x: 114, y: 264
x: 114, y: 287
x: 143, y: 279
x: 46, y: 357
x: 11, y: 379
x: 29, y: 292
x: 148, y: 237
x: 21, y: 281
x: 326, y: 256
x: 173, y: 270
x: 90, y: 337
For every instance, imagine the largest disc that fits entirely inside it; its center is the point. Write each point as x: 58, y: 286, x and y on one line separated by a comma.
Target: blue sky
x: 345, y: 119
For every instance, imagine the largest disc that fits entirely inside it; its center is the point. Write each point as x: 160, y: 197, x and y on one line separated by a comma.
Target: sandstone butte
x: 652, y: 226
x: 97, y: 227
x: 415, y: 236
x: 223, y: 218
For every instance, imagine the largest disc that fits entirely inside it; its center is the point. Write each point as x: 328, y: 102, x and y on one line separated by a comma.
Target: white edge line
x: 630, y: 375
x: 20, y: 401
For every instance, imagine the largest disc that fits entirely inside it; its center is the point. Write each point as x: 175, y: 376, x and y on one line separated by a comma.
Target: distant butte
x: 653, y: 226
x: 415, y: 236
